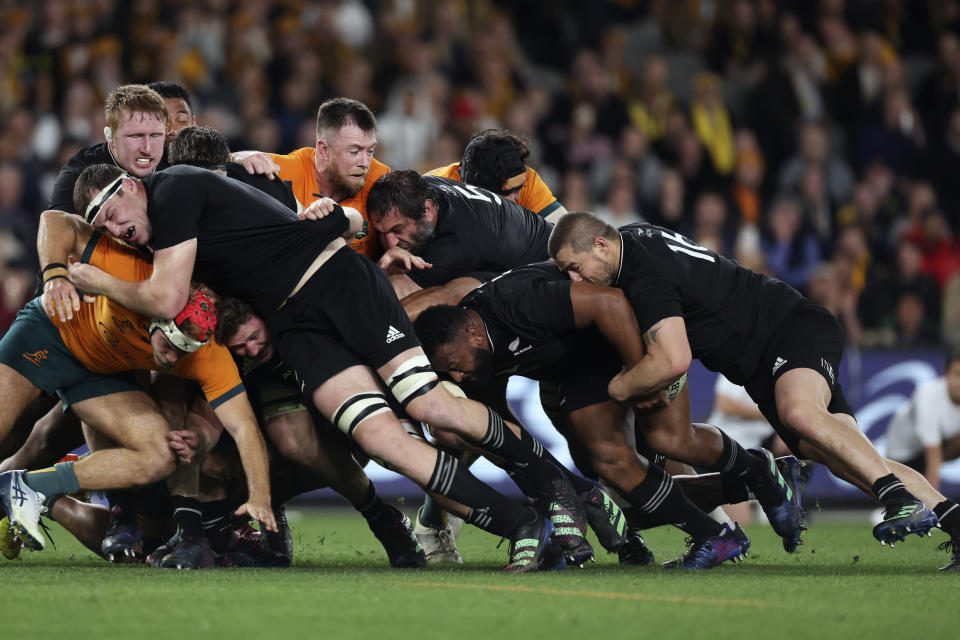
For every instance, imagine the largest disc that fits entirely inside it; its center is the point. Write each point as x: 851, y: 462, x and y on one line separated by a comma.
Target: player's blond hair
x: 130, y: 98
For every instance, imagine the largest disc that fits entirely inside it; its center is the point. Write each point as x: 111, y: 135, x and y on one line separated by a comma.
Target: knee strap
x: 357, y: 408
x: 412, y: 379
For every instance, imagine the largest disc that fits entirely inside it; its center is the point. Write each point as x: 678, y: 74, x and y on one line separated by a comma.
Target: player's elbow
x: 676, y: 363
x: 169, y: 301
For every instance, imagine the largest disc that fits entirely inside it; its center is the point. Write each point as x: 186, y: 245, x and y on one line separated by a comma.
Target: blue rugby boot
x: 903, y: 518
x: 707, y: 553
x: 780, y: 500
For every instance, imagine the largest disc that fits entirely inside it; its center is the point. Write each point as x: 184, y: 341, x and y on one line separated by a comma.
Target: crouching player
x: 77, y: 353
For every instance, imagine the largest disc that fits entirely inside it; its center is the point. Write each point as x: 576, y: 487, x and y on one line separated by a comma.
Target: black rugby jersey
x: 729, y: 311
x: 530, y: 325
x: 478, y: 232
x: 249, y: 245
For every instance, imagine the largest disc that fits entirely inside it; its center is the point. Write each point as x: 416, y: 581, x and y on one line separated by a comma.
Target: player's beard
x: 482, y: 369
x: 420, y: 237
x: 341, y: 183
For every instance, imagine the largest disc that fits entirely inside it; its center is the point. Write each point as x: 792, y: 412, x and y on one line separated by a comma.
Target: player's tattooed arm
x: 668, y: 357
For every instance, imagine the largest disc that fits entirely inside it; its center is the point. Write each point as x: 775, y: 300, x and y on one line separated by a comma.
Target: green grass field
x: 840, y: 584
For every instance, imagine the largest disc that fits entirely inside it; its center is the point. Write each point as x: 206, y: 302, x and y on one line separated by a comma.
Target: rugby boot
x: 189, y: 553
x: 707, y: 553
x: 9, y: 545
x: 280, y: 542
x: 123, y: 540
x: 532, y: 549
x: 394, y: 531
x: 605, y: 518
x: 780, y: 501
x: 23, y: 506
x: 635, y: 550
x: 952, y: 545
x: 903, y: 518
x: 158, y: 554
x: 439, y: 545
x: 567, y: 514
x: 795, y: 474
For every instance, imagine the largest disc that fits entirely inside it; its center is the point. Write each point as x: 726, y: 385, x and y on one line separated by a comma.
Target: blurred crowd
x: 814, y: 140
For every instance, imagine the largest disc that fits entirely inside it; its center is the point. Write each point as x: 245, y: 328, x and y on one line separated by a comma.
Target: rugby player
x: 340, y: 166
x: 179, y: 106
x: 758, y: 332
x: 314, y: 446
x: 242, y: 241
x: 495, y: 160
x: 535, y: 322
x: 439, y: 229
x: 78, y: 361
x: 137, y: 122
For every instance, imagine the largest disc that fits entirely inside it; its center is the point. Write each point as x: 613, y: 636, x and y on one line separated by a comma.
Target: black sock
x: 218, y: 523
x: 734, y: 459
x: 660, y: 496
x: 151, y: 501
x: 948, y: 512
x: 734, y: 489
x: 286, y: 486
x: 491, y: 511
x: 372, y: 504
x: 523, y: 454
x: 579, y: 483
x: 188, y: 512
x: 891, y: 491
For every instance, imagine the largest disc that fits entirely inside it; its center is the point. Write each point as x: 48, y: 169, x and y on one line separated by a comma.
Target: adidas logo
x: 776, y: 365
x: 394, y: 334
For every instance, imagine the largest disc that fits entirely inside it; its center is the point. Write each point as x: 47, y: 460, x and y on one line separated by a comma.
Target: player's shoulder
x: 451, y: 171
x: 526, y: 277
x: 88, y: 156
x: 378, y: 168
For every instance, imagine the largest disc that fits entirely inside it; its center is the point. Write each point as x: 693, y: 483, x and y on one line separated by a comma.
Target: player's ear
x: 474, y: 336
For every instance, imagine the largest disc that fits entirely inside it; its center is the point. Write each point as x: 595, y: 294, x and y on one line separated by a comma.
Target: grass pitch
x: 840, y: 584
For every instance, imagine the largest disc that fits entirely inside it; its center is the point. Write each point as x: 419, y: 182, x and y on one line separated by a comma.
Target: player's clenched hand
x: 183, y: 443
x: 87, y: 278
x: 60, y: 299
x: 398, y: 260
x: 318, y: 209
x: 620, y: 391
x: 258, y: 510
x: 260, y: 163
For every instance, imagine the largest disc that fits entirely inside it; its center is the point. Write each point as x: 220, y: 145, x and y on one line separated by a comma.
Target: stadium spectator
x: 925, y: 431
x: 790, y: 247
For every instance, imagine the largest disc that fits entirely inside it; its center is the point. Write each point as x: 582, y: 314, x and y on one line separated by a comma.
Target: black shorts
x: 347, y: 314
x: 584, y: 373
x: 810, y: 338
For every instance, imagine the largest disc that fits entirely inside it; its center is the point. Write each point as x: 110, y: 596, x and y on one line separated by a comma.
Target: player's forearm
x: 56, y: 237
x: 253, y: 457
x: 647, y: 377
x: 147, y: 297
